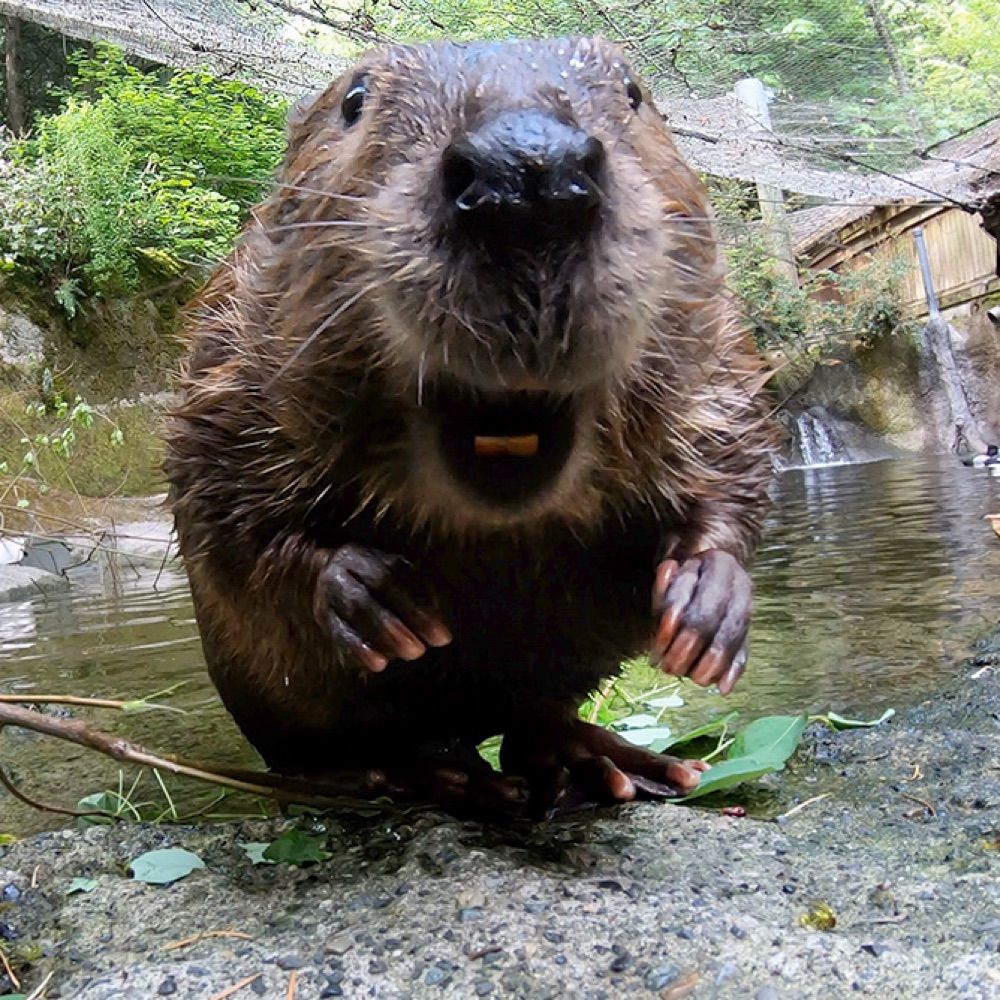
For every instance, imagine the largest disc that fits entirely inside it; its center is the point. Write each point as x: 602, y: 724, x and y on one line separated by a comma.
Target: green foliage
x: 826, y: 313
x: 137, y: 177
x: 760, y: 748
x: 66, y: 445
x: 296, y: 847
x: 164, y: 866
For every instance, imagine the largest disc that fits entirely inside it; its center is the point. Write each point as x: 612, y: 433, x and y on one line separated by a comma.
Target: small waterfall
x: 818, y: 442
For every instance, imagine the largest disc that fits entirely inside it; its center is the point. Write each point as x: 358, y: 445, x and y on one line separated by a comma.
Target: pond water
x: 871, y: 583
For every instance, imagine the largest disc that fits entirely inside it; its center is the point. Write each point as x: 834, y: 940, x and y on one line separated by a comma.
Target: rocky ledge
x: 886, y: 886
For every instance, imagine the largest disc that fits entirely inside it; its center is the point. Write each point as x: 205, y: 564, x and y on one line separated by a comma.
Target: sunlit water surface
x: 871, y: 583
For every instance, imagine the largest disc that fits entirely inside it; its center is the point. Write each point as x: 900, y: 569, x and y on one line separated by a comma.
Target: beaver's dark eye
x: 354, y: 101
x: 633, y: 92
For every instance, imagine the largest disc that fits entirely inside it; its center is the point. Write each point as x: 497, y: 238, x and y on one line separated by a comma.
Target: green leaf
x: 835, y: 721
x: 81, y: 884
x: 774, y: 737
x: 709, y: 729
x: 295, y: 847
x: 758, y: 749
x: 647, y: 736
x: 665, y: 701
x: 102, y: 802
x: 255, y: 852
x: 165, y: 866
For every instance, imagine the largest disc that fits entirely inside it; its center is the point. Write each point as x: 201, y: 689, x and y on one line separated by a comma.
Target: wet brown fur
x: 300, y: 427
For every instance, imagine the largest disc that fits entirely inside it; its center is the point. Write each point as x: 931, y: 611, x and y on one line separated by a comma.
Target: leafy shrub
x: 139, y: 175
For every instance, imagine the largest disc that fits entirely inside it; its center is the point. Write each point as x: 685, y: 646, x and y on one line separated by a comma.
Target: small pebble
x: 340, y: 945
x: 483, y: 988
x: 621, y: 963
x: 467, y: 913
x: 553, y: 937
x: 737, y: 932
x: 259, y: 987
x: 876, y: 948
x: 436, y: 977
x: 377, y: 967
x: 333, y: 990
x: 10, y: 893
x: 560, y: 960
x: 168, y: 987
x: 660, y: 978
x: 289, y: 962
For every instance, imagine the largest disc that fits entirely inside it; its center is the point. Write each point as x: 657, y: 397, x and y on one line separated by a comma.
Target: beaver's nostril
x: 459, y: 174
x: 525, y: 175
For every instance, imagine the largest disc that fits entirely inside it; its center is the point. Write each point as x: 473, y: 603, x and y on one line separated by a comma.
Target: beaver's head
x: 513, y: 243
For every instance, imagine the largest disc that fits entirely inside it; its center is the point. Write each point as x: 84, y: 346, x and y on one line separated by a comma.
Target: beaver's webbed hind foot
x: 568, y: 762
x: 451, y: 775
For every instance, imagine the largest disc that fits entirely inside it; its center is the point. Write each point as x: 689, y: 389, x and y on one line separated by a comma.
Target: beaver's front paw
x: 703, y: 606
x: 376, y: 608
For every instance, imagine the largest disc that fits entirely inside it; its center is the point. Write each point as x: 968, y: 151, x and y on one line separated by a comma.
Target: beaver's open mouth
x: 504, y: 446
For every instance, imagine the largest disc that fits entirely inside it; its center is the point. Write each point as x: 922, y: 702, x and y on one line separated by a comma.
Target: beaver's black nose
x: 524, y: 175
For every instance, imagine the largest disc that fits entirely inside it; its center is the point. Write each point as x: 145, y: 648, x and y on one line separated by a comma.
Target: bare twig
x: 802, y: 805
x: 236, y: 987
x: 279, y: 787
x: 195, y: 938
x: 11, y: 975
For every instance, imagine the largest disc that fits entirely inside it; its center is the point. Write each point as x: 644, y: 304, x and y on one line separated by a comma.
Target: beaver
x: 467, y: 420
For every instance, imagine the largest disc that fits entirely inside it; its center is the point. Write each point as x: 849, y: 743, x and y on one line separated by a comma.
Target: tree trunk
x: 16, y: 116
x: 874, y: 11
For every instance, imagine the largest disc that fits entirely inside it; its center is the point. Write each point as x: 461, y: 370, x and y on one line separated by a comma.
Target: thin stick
x: 195, y: 938
x: 11, y: 975
x: 236, y: 987
x: 293, y: 985
x: 264, y: 784
x: 42, y: 806
x: 39, y: 991
x: 802, y: 805
x: 920, y: 801
x: 72, y: 699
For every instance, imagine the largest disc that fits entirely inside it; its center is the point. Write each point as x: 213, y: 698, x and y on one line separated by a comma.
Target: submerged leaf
x: 165, y: 866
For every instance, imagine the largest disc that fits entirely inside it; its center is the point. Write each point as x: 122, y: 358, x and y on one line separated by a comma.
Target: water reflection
x: 871, y: 582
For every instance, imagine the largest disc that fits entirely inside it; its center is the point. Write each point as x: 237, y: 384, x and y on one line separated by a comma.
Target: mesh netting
x: 870, y: 101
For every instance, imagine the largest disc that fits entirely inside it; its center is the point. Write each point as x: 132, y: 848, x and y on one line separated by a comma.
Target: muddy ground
x: 646, y: 900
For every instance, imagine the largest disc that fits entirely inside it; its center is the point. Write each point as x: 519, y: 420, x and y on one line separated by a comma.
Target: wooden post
x: 16, y: 116
x: 757, y: 118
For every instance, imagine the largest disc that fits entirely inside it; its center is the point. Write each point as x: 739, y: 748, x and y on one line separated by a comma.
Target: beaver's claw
x: 703, y: 609
x: 376, y: 608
